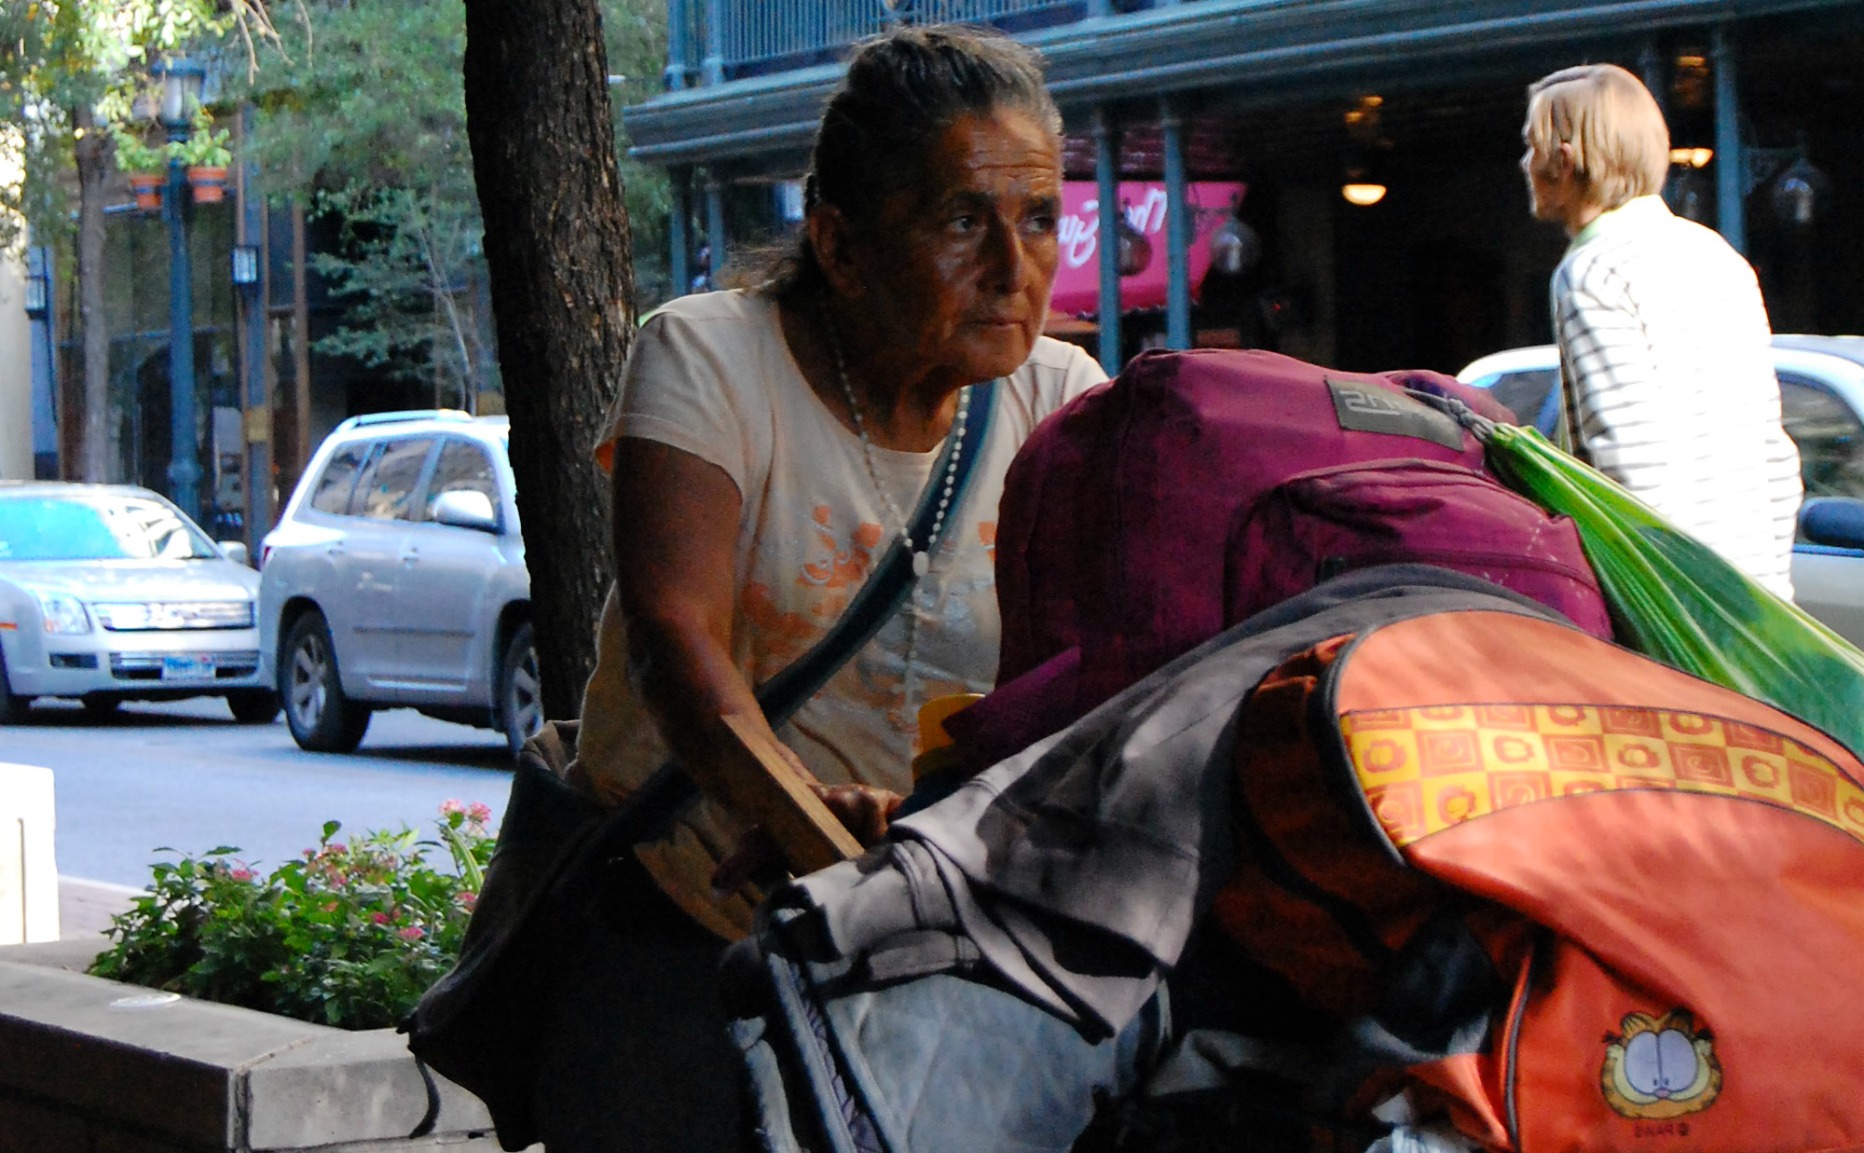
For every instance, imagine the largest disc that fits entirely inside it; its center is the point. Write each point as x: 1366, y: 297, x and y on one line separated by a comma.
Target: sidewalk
x: 85, y: 907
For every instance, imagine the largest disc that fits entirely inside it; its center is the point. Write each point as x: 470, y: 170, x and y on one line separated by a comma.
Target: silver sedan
x: 109, y: 593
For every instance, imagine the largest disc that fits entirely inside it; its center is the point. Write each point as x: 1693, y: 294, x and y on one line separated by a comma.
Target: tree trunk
x: 93, y: 162
x: 557, y: 253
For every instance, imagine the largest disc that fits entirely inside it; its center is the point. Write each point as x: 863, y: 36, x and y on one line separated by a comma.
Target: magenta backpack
x: 1200, y: 487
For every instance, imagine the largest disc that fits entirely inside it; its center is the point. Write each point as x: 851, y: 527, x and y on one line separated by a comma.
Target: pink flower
x: 448, y: 808
x: 242, y: 873
x: 479, y: 814
x: 381, y: 918
x: 412, y: 933
x: 468, y: 900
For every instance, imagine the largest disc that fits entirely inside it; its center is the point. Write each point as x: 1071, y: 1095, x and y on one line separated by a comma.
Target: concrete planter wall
x: 95, y: 1066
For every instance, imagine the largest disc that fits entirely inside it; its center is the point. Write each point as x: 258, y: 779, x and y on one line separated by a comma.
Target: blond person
x: 1664, y: 339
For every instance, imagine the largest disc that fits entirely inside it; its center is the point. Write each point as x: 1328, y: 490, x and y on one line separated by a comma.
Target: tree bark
x: 562, y: 280
x: 93, y: 163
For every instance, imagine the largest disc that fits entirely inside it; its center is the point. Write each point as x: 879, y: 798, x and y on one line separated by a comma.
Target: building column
x: 1177, y: 230
x: 255, y: 357
x: 184, y: 440
x: 46, y: 404
x: 674, y: 77
x: 1730, y: 162
x: 713, y: 67
x: 680, y: 230
x: 715, y: 237
x: 1107, y: 237
x: 1650, y: 66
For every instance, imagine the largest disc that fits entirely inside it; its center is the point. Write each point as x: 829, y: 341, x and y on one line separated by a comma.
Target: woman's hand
x: 866, y: 811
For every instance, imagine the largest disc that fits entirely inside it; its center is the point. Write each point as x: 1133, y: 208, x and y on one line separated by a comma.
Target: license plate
x: 187, y: 668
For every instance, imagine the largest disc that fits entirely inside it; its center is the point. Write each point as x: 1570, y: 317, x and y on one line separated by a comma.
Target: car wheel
x: 253, y: 706
x: 520, y: 700
x: 13, y: 707
x: 321, y: 718
x: 98, y: 706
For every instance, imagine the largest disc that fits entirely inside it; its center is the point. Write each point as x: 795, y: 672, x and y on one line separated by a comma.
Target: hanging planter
x: 147, y: 188
x: 209, y: 183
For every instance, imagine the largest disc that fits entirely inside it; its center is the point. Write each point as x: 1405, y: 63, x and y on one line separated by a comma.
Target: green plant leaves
x: 350, y: 934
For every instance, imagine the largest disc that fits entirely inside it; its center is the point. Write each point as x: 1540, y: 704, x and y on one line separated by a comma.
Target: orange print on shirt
x: 838, y: 567
x: 987, y: 533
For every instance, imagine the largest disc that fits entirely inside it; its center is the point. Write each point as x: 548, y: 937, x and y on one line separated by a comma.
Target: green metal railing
x: 712, y: 41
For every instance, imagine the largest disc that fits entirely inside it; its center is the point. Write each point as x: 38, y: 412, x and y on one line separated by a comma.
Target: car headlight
x: 64, y: 614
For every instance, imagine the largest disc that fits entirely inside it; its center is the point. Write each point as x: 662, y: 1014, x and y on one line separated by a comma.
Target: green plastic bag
x: 1674, y: 599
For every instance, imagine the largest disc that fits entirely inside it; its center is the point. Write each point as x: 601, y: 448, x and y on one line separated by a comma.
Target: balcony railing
x: 716, y: 40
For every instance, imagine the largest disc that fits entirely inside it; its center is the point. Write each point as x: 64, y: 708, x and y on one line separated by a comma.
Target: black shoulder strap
x: 671, y: 788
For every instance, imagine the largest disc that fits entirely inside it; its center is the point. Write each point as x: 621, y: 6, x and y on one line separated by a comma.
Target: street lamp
x: 181, y: 93
x: 38, y: 297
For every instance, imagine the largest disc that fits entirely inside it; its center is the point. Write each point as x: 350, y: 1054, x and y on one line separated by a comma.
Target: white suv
x: 396, y: 577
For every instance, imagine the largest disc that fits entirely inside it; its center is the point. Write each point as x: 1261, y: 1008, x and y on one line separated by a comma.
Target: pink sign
x: 1077, y: 281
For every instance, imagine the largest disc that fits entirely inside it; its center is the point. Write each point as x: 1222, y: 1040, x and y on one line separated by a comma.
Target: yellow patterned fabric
x: 1428, y: 768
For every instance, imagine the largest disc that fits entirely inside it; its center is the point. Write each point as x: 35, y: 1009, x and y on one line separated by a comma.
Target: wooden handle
x: 771, y: 793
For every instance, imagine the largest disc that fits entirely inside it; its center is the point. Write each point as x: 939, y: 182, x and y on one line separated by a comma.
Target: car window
x: 1525, y: 393
x: 332, y: 493
x: 386, y: 489
x: 1829, y: 435
x: 463, y: 467
x: 38, y: 528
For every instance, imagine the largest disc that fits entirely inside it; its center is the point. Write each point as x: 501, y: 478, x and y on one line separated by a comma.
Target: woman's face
x: 957, y: 268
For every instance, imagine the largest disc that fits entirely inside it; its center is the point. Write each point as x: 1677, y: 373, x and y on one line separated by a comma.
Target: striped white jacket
x: 1664, y: 347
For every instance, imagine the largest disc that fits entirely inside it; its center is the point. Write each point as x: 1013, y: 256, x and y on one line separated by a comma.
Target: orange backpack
x: 1661, y: 883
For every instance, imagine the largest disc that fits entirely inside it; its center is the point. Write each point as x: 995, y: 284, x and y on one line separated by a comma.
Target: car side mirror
x: 1833, y: 521
x: 236, y: 551
x: 464, y: 508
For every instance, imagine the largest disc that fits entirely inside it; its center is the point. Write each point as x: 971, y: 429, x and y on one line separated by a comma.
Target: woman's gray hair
x: 902, y: 90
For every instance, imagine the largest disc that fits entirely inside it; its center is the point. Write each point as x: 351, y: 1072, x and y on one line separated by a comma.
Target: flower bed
x: 348, y: 935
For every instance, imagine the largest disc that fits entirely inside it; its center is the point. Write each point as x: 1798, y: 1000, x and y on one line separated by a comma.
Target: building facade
x: 1336, y: 179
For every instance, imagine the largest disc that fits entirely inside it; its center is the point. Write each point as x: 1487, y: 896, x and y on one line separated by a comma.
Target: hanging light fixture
x: 1363, y: 193
x: 1234, y: 246
x: 1798, y: 192
x: 1135, y: 249
x: 1362, y: 188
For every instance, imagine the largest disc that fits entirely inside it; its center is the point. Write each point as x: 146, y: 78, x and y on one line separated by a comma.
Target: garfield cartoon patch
x: 1660, y: 1067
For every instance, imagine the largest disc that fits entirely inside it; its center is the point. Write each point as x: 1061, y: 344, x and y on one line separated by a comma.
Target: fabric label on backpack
x: 1371, y: 408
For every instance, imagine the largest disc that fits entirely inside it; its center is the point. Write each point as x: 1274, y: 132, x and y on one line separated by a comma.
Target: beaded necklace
x: 922, y: 556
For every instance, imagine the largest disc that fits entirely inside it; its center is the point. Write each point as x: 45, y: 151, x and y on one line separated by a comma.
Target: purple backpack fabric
x: 1321, y: 523
x: 1130, y: 528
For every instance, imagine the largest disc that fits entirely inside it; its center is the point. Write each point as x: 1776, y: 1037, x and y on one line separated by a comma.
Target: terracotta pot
x: 209, y: 183
x: 147, y: 188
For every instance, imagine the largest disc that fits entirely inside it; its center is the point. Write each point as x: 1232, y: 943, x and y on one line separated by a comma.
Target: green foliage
x: 133, y: 154
x: 350, y: 935
x: 205, y: 147
x: 58, y: 57
x: 368, y: 128
x: 362, y: 116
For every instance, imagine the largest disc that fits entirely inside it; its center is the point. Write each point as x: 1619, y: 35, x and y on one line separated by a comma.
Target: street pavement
x: 183, y: 775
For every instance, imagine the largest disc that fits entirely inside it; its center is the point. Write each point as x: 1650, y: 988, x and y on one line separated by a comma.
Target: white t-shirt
x: 1665, y: 343
x: 711, y: 375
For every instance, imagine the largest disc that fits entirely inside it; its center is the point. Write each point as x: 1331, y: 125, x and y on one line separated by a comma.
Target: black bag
x: 482, y: 1025
x: 478, y: 1025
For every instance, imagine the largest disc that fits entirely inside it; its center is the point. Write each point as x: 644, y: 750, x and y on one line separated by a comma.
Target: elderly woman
x: 765, y: 450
